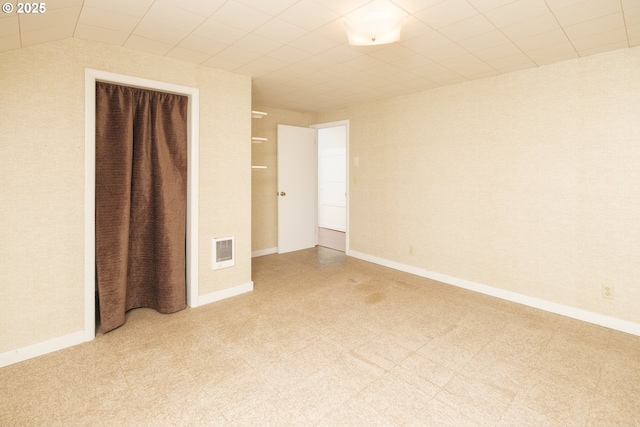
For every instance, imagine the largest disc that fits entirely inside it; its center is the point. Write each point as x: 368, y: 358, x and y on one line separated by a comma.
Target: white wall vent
x: 223, y: 252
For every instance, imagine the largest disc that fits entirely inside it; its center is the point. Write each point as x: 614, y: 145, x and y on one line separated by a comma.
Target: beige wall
x: 42, y: 175
x: 264, y: 203
x: 528, y: 182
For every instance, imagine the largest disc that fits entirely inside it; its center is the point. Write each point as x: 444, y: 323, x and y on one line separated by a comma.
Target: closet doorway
x: 91, y: 78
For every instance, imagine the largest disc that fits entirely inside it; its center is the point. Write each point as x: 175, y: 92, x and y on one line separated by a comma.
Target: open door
x: 297, y: 198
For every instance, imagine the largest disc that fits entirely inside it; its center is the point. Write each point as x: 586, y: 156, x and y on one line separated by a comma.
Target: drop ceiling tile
x: 289, y: 54
x: 240, y: 16
x: 414, y: 63
x: 187, y: 55
x: 261, y: 66
x: 446, y: 13
x: 340, y: 53
x: 222, y: 63
x: 487, y: 5
x: 313, y: 43
x: 147, y: 45
x: 58, y: 4
x: 10, y: 42
x: 595, y: 26
x: 269, y: 81
x: 462, y: 61
x: 169, y: 16
x: 429, y: 69
x: 150, y: 30
x: 484, y: 41
x: 309, y: 15
x: 217, y: 31
x: 107, y: 19
x: 315, y: 63
x: 552, y: 38
x: 412, y: 27
x: 340, y: 71
x: 257, y: 44
x: 604, y: 48
x: 561, y: 4
x: 102, y: 35
x: 633, y: 32
x: 544, y: 54
x: 507, y: 64
x: 201, y: 44
x: 445, y: 52
x: 46, y: 35
x: 9, y: 25
x: 199, y: 7
x: 467, y: 28
x: 364, y: 63
x: 531, y: 27
x: 585, y: 11
x: 501, y: 51
x: 272, y: 7
x: 279, y: 30
x: 632, y: 15
x: 392, y: 52
x: 334, y: 30
x: 426, y: 42
x: 447, y: 77
x: 518, y: 11
x: 238, y: 55
x: 344, y: 7
x: 385, y: 70
x: 616, y: 36
x: 126, y: 7
x: 414, y: 6
x: 67, y: 16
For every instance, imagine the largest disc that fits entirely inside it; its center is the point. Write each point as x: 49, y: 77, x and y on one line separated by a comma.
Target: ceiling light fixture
x: 373, y: 28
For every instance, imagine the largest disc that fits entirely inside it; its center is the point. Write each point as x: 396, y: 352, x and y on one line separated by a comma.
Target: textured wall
x: 42, y: 175
x: 526, y: 181
x: 264, y: 203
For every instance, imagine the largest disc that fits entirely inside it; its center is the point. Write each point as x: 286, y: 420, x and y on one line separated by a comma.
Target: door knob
x: 282, y: 193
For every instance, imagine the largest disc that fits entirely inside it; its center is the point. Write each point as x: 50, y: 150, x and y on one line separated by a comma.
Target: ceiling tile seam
x: 563, y: 30
x: 514, y: 42
x: 138, y: 24
x: 624, y: 20
x: 75, y: 27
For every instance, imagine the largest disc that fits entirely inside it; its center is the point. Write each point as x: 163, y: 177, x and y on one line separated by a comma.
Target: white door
x: 297, y: 175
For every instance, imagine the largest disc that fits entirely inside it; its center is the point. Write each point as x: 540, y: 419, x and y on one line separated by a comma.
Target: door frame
x: 193, y: 141
x: 331, y: 125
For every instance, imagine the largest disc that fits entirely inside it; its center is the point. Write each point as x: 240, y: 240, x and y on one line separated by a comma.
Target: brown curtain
x: 141, y: 176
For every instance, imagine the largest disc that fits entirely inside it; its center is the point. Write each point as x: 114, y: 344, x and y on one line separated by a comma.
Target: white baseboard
x: 564, y: 310
x: 224, y: 294
x: 263, y: 252
x: 42, y: 348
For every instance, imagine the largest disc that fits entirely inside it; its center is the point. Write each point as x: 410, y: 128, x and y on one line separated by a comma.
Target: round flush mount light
x: 373, y: 27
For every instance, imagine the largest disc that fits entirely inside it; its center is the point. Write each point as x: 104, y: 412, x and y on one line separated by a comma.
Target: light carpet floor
x: 328, y: 340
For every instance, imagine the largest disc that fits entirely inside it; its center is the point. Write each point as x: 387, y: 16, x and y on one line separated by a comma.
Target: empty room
x: 320, y: 212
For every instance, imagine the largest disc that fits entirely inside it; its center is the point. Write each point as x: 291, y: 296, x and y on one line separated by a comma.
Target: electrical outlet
x: 607, y: 291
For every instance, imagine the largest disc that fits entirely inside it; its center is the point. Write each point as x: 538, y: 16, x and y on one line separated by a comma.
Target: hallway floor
x: 328, y: 340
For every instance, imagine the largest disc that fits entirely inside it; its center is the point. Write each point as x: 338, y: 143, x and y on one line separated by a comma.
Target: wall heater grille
x: 223, y: 252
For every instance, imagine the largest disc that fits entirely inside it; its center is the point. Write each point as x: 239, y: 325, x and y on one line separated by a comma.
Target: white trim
x: 552, y: 307
x: 344, y: 123
x: 225, y: 293
x: 193, y: 126
x: 41, y: 348
x: 263, y: 252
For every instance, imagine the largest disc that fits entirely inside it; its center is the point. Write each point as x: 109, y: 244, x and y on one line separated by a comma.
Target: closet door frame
x: 91, y: 77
